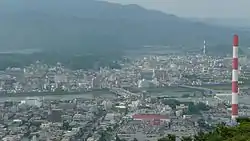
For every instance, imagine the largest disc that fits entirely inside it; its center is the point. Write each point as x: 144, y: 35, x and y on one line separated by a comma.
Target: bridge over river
x: 198, y: 88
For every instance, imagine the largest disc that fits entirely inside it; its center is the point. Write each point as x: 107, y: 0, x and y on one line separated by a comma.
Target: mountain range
x: 239, y: 23
x: 89, y: 25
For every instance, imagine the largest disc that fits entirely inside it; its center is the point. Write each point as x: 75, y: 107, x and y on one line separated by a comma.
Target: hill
x: 221, y: 133
x: 87, y: 25
x: 89, y: 33
x: 237, y: 23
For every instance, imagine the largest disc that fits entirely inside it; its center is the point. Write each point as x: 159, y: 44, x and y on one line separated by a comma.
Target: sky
x: 197, y: 8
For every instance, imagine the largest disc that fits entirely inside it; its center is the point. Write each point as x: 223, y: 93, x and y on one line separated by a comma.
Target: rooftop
x: 149, y: 116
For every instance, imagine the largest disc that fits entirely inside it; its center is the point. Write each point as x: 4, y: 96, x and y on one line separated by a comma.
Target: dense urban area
x: 149, y: 98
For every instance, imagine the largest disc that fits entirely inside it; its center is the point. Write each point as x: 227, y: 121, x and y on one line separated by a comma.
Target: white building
x: 143, y: 83
x: 32, y: 101
x: 107, y: 104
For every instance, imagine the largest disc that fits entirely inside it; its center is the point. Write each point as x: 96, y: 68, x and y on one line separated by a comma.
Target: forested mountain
x: 96, y: 25
x: 229, y: 22
x: 90, y: 33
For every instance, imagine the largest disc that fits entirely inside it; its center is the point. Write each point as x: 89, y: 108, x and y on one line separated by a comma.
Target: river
x: 61, y: 97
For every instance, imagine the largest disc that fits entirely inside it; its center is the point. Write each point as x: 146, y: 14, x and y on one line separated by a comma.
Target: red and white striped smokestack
x: 235, y: 89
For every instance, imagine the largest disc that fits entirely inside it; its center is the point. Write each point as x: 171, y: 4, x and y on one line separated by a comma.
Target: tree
x: 171, y: 102
x: 66, y: 125
x: 237, y: 132
x: 109, y: 129
x: 102, y: 138
x: 164, y: 139
x: 199, y: 137
x: 169, y: 137
x: 185, y: 95
x: 186, y: 139
x: 117, y: 138
x: 201, y: 122
x: 135, y: 139
x: 197, y: 108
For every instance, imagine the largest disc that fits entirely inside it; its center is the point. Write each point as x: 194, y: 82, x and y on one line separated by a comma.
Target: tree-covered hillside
x: 241, y: 132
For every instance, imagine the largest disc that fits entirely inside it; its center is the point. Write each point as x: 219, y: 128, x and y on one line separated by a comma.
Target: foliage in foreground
x: 241, y: 132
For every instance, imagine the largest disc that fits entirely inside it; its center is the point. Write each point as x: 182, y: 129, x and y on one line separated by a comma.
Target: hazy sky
x: 197, y: 8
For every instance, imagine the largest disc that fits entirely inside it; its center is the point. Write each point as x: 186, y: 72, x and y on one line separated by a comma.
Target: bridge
x: 223, y: 94
x: 123, y: 92
x: 197, y: 88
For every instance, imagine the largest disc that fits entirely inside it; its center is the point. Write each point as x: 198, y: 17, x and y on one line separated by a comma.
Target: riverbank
x: 61, y: 93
